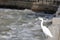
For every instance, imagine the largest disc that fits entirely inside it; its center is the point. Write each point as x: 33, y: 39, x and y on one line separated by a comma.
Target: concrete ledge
x: 56, y: 20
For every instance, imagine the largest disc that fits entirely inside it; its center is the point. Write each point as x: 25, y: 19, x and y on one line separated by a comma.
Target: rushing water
x: 22, y: 23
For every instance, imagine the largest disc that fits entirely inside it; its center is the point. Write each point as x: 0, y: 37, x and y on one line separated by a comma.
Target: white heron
x: 45, y: 29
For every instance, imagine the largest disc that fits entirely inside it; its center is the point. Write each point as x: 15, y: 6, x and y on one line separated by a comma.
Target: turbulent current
x: 21, y: 25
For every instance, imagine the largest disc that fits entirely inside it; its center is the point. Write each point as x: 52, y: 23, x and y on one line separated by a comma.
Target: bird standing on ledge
x: 45, y: 29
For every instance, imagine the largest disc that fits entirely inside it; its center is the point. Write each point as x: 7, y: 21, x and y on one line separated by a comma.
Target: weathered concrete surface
x: 56, y: 20
x: 55, y: 32
x: 55, y: 29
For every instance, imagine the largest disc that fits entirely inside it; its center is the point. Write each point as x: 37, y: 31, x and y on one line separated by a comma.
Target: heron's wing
x: 47, y: 31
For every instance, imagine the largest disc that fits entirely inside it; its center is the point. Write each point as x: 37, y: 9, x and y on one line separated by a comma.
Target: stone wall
x: 35, y: 6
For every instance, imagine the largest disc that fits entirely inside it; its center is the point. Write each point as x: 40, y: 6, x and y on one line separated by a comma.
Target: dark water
x: 21, y: 25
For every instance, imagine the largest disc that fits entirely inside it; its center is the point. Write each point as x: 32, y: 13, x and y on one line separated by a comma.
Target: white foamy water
x: 23, y: 25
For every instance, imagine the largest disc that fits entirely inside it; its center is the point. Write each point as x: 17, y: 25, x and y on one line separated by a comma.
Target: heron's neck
x: 42, y: 23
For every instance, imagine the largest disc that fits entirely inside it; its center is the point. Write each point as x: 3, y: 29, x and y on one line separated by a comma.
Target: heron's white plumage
x: 45, y: 29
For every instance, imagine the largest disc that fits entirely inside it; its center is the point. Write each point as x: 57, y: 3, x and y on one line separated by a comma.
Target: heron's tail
x: 51, y: 35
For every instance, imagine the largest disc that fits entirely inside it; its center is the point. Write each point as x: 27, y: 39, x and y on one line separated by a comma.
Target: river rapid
x: 21, y: 24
